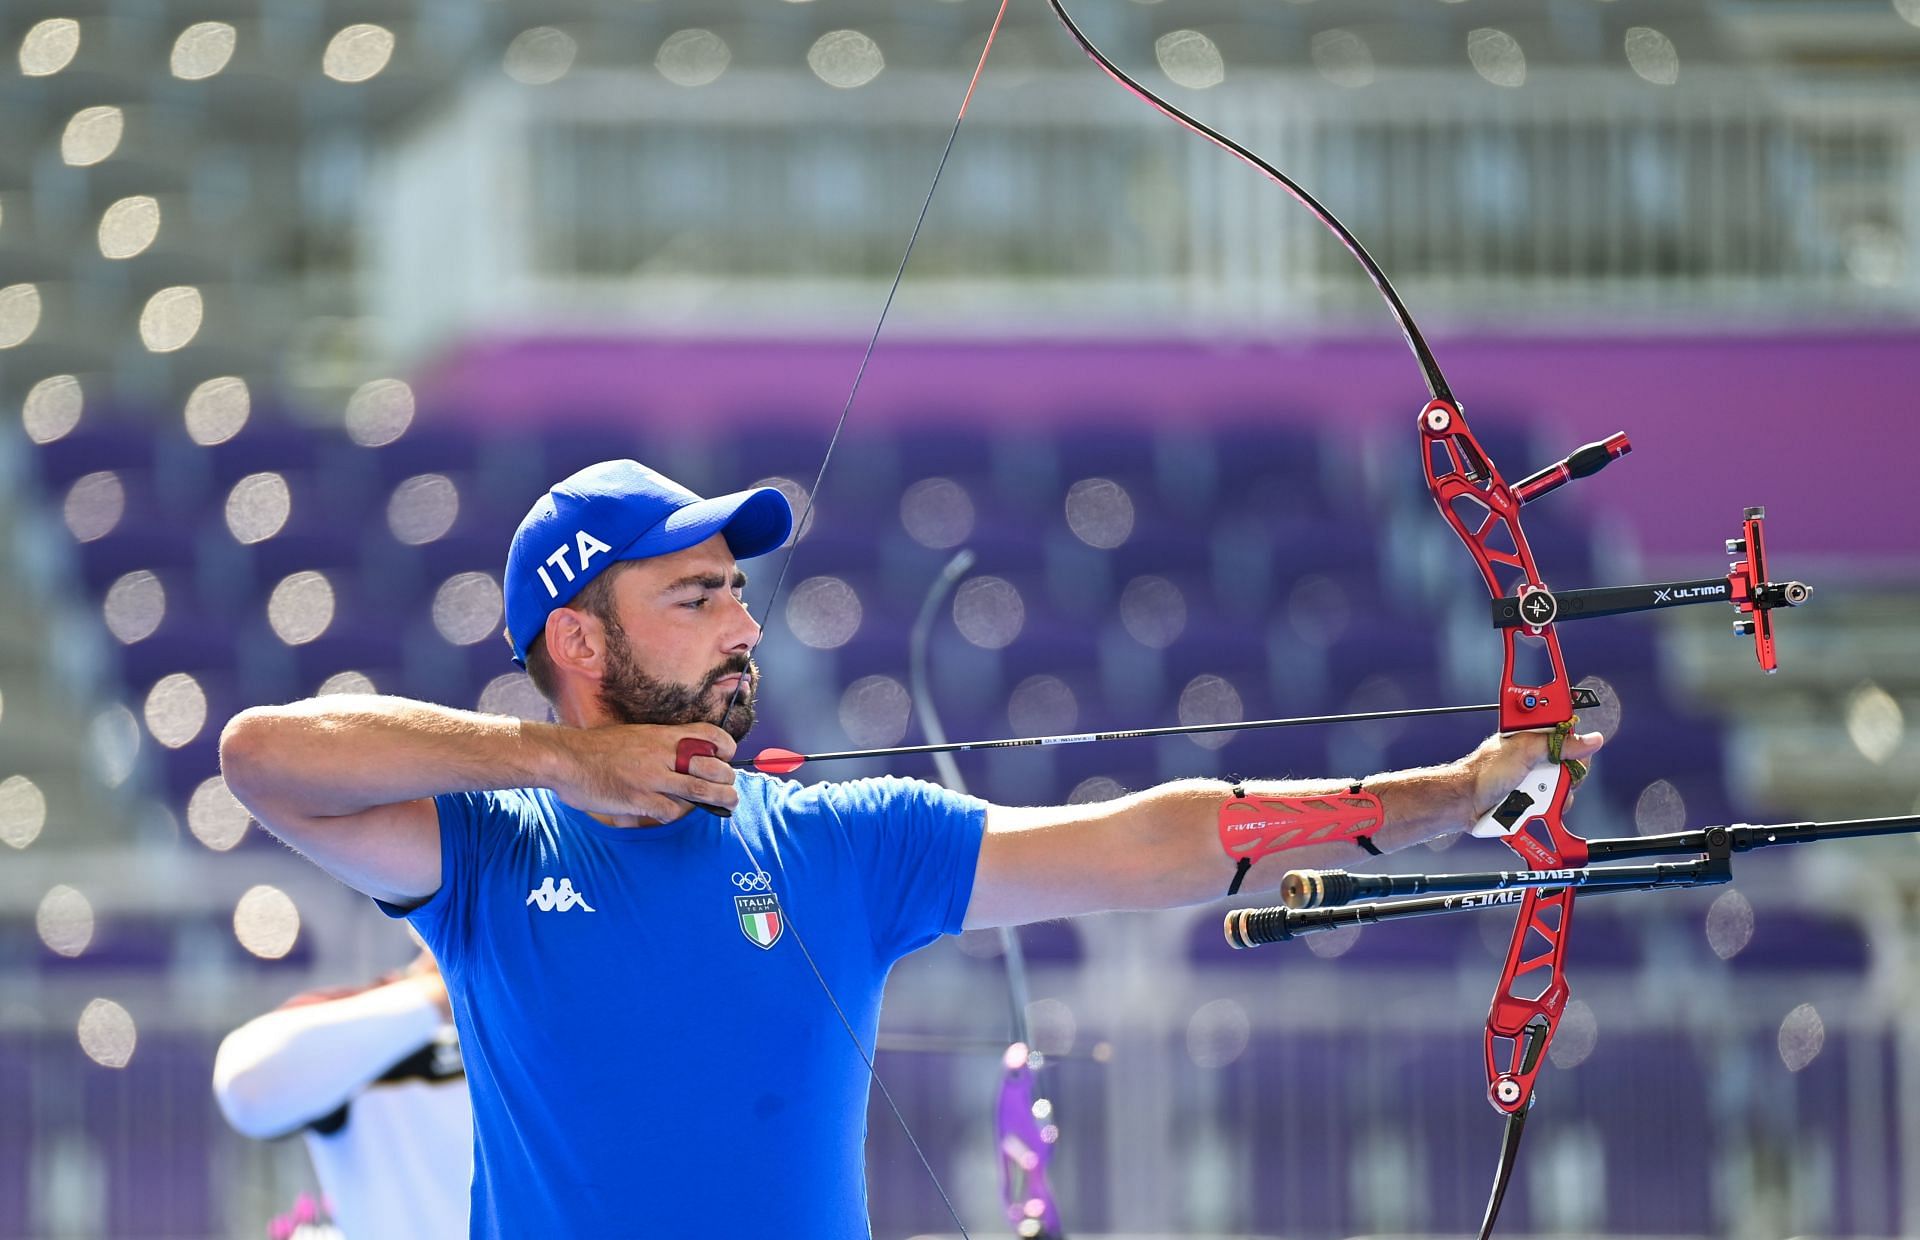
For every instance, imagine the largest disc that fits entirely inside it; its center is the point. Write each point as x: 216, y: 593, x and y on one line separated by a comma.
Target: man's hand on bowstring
x: 627, y: 769
x: 1503, y: 760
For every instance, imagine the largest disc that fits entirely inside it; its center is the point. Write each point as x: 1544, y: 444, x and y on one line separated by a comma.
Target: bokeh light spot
x: 423, y: 508
x: 1190, y: 59
x: 1096, y: 788
x: 937, y: 513
x: 1729, y: 924
x: 1875, y: 723
x: 514, y: 694
x: 258, y: 507
x: 1578, y: 1034
x: 824, y: 612
x: 107, y: 1033
x: 875, y: 710
x: 1042, y: 706
x: 135, y: 605
x: 1335, y: 943
x: 1653, y: 56
x: 113, y: 743
x: 692, y: 57
x: 218, y: 410
x: 52, y: 408
x: 467, y: 608
x: 989, y: 612
x: 1218, y: 1033
x: 172, y: 318
x: 202, y: 50
x: 540, y: 56
x: 1100, y: 512
x: 215, y: 816
x: 1497, y: 57
x: 129, y: 226
x: 357, y: 53
x: 1153, y: 611
x: 1659, y: 809
x: 1343, y: 58
x: 266, y: 922
x: 94, y: 505
x: 1211, y: 699
x: 92, y: 136
x: 49, y: 46
x: 1054, y: 1027
x: 347, y: 682
x: 301, y: 607
x: 19, y: 314
x: 380, y: 412
x: 845, y: 59
x: 1802, y: 1035
x: 23, y: 811
x: 176, y: 710
x: 64, y: 920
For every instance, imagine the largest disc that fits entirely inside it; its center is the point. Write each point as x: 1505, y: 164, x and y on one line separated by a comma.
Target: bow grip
x: 689, y: 748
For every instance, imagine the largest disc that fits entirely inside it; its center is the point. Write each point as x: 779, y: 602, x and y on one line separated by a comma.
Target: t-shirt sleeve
x: 466, y: 819
x: 917, y: 845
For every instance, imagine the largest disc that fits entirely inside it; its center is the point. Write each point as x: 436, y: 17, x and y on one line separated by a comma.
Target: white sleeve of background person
x: 402, y: 1166
x: 281, y: 1071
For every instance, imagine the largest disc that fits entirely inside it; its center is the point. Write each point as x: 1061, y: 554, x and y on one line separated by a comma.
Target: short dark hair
x: 596, y: 599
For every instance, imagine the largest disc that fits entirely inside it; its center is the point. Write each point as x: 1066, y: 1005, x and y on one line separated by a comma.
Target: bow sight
x: 1745, y: 588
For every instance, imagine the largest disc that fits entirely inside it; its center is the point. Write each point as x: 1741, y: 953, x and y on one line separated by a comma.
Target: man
x: 647, y: 1041
x: 371, y: 1076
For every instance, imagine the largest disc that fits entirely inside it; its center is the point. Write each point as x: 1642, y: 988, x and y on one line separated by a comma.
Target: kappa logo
x: 559, y: 899
x: 585, y: 547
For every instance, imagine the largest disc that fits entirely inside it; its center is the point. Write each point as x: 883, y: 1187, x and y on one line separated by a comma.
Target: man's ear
x: 576, y: 642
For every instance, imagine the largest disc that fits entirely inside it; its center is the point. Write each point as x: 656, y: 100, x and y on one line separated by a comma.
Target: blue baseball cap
x: 621, y: 510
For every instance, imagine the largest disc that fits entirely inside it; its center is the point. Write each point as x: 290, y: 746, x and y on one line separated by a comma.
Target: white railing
x: 616, y: 199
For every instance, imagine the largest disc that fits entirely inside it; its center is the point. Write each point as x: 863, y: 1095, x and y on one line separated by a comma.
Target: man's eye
x: 696, y: 602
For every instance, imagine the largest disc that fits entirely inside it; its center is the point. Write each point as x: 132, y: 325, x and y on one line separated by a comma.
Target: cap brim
x: 754, y: 523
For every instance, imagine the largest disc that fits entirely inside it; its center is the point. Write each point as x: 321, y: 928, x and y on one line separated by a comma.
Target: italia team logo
x: 759, y: 918
x: 760, y: 913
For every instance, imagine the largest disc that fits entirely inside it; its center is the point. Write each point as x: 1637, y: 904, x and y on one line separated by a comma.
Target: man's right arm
x: 349, y: 781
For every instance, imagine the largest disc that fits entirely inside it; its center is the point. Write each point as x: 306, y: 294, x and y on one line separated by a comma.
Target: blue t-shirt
x: 648, y: 1052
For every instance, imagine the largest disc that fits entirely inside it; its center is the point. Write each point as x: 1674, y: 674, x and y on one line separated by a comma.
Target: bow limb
x: 1024, y: 1130
x: 1423, y: 356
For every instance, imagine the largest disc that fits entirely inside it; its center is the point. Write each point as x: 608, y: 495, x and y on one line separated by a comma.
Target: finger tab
x: 689, y: 748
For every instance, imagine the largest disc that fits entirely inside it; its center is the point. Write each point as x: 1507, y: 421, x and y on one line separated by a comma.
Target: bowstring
x: 799, y: 528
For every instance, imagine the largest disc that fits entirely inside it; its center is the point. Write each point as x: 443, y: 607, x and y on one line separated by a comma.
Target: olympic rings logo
x: 758, y: 881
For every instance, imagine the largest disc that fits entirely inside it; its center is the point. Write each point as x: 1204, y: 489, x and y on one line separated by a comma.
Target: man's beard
x: 632, y: 696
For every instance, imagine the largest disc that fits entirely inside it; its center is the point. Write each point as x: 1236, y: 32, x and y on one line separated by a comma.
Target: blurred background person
x: 372, y: 1079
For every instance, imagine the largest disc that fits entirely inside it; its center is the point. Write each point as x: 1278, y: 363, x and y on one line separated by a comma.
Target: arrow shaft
x: 1087, y: 738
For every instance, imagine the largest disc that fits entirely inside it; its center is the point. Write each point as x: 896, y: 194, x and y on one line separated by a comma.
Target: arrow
x: 776, y: 761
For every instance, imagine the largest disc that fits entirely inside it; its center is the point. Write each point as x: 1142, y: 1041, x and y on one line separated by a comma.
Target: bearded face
x: 632, y: 696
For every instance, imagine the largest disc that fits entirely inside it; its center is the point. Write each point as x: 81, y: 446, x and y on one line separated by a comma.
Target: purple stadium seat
x: 17, y: 1056
x: 152, y: 1122
x: 96, y: 443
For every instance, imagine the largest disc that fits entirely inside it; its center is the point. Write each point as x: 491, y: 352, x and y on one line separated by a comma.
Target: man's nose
x: 746, y: 633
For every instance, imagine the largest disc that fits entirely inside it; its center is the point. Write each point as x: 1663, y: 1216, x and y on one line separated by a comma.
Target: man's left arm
x: 1160, y: 848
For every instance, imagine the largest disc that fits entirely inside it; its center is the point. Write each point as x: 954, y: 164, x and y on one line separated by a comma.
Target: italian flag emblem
x: 759, y: 919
